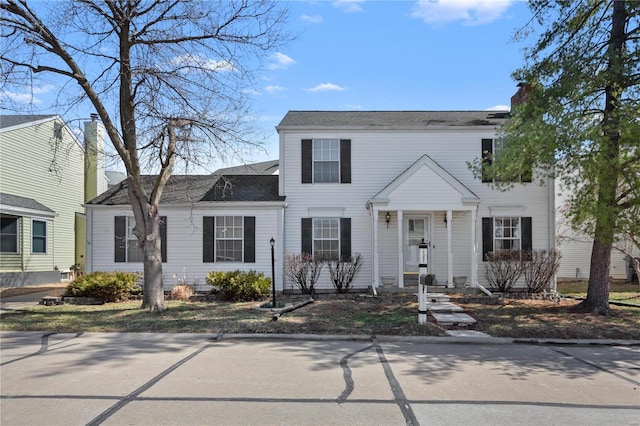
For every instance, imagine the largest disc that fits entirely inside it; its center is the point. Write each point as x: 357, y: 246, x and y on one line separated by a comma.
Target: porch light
x: 387, y: 218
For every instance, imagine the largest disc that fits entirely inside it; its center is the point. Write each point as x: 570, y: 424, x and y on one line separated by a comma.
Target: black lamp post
x: 273, y: 274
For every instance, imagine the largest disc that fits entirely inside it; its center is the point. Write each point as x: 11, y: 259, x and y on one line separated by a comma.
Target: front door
x: 416, y: 228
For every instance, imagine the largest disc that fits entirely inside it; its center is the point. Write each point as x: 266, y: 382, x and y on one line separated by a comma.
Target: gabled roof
x: 191, y: 189
x: 14, y: 204
x: 377, y: 120
x: 465, y: 194
x: 17, y: 120
x: 263, y: 168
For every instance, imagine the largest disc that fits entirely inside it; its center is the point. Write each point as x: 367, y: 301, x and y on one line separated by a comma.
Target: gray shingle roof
x: 23, y: 203
x: 15, y: 120
x: 391, y: 119
x: 263, y: 168
x: 187, y: 189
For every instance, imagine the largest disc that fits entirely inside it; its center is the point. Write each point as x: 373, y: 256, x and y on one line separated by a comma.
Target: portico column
x: 400, y: 251
x: 474, y: 248
x: 449, y: 250
x: 376, y: 261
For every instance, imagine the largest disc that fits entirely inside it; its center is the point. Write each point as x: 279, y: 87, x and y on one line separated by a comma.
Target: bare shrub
x: 503, y: 268
x: 343, y: 272
x: 182, y: 292
x: 303, y: 270
x: 540, y: 269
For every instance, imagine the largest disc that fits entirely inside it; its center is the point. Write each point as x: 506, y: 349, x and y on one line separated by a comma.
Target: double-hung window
x: 126, y: 243
x: 326, y: 161
x: 491, y: 149
x: 229, y: 237
x: 502, y: 233
x: 506, y: 233
x: 38, y: 236
x: 326, y: 237
x: 9, y: 234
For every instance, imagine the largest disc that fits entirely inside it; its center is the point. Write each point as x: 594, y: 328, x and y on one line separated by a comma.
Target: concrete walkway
x: 198, y: 379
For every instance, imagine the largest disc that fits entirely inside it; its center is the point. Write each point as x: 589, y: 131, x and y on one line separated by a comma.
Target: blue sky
x: 383, y: 55
x: 394, y: 55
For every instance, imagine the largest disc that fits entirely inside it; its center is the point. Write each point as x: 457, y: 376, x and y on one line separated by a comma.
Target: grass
x: 618, y: 291
x: 388, y: 314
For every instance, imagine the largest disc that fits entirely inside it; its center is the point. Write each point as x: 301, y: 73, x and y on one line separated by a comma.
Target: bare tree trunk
x: 147, y: 230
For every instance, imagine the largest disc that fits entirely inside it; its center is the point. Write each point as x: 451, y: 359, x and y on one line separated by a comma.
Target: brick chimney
x: 520, y: 97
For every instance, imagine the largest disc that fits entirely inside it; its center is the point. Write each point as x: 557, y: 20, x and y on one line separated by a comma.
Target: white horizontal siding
x: 185, y: 244
x: 377, y: 158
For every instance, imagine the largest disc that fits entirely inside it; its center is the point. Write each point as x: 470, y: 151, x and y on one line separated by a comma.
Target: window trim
x: 314, y: 240
x: 121, y: 253
x: 526, y: 233
x: 331, y: 149
x: 307, y: 245
x: 45, y: 236
x: 308, y: 162
x: 216, y: 238
x: 209, y: 239
x: 17, y: 234
x: 517, y: 228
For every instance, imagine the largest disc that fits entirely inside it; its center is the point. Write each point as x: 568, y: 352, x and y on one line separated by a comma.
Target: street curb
x: 429, y: 339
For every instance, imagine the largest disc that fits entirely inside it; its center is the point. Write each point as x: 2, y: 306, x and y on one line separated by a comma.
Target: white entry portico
x: 424, y: 201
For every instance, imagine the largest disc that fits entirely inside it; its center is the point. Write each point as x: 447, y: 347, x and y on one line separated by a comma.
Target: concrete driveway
x: 196, y: 379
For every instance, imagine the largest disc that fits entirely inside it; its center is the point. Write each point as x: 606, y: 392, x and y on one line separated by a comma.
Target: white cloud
x: 21, y: 98
x: 326, y: 87
x: 200, y: 62
x: 274, y: 89
x: 312, y: 19
x: 499, y: 108
x: 348, y: 5
x: 280, y: 61
x: 470, y: 12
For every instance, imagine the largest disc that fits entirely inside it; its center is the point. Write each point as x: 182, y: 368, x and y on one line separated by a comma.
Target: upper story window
x: 38, y: 236
x: 491, y: 149
x: 9, y: 234
x: 326, y: 161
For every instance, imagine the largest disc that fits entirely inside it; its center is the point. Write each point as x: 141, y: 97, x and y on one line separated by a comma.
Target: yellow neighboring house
x: 46, y: 176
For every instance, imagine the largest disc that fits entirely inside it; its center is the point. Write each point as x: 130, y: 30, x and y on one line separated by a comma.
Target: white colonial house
x: 376, y: 183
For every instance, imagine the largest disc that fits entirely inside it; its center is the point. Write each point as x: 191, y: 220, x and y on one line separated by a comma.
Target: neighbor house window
x: 126, y: 243
x: 9, y: 235
x: 326, y: 161
x: 38, y: 236
x: 228, y: 239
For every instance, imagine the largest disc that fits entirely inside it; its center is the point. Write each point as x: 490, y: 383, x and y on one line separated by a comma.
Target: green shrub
x: 104, y: 286
x: 240, y: 286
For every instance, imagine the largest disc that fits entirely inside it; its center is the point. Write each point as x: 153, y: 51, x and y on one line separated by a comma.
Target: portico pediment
x: 425, y: 182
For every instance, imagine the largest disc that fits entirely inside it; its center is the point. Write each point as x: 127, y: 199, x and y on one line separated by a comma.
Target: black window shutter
x: 487, y: 236
x: 249, y: 239
x: 345, y: 239
x: 487, y: 152
x: 307, y: 161
x: 307, y: 237
x: 345, y: 160
x: 163, y: 238
x: 120, y: 238
x: 527, y: 236
x: 208, y: 238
